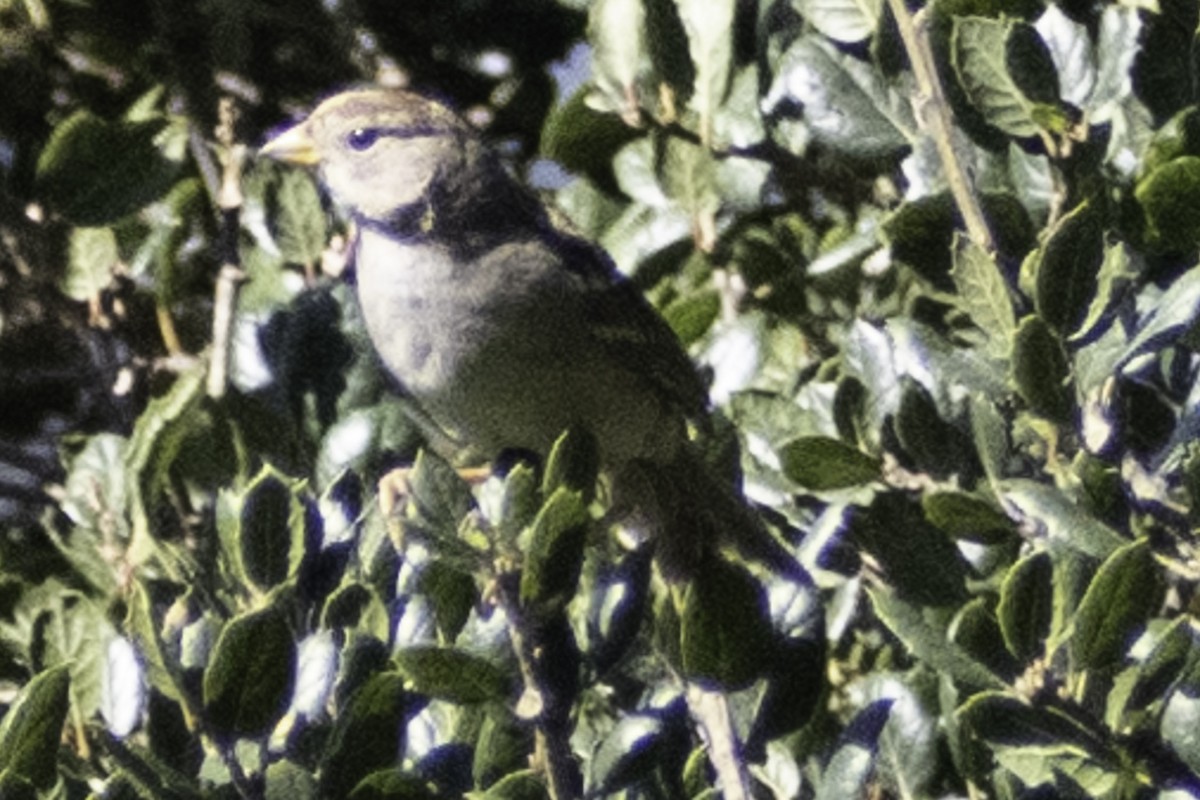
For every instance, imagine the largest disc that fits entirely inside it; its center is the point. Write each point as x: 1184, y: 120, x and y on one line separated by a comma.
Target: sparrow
x: 507, y: 330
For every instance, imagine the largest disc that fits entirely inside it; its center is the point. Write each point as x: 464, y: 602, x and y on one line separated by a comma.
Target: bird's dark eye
x: 362, y: 138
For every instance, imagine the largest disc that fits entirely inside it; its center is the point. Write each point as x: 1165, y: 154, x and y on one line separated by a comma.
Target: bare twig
x: 543, y: 701
x: 710, y: 710
x: 933, y: 112
x: 230, y: 277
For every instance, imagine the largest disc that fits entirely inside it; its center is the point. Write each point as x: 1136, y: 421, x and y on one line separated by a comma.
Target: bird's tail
x: 691, y: 512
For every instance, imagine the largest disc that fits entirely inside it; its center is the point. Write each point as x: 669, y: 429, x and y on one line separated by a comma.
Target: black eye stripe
x: 363, y: 138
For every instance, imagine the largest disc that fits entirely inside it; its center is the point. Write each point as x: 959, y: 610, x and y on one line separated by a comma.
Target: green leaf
x: 149, y: 775
x: 503, y: 747
x: 692, y: 315
x: 928, y: 642
x: 451, y: 674
x: 854, y: 761
x: 523, y: 785
x: 1126, y: 592
x: 367, y: 736
x: 725, y: 628
x: 440, y: 495
x: 1180, y: 727
x: 1174, y: 649
x: 1116, y: 274
x: 32, y: 728
x: 1040, y: 370
x: 1065, y: 269
x: 846, y: 21
x: 94, y: 172
x: 91, y: 262
x: 1038, y: 743
x: 1175, y: 312
x: 965, y: 516
x: 979, y: 53
x: 15, y: 787
x: 247, y: 683
x: 74, y: 630
x: 158, y: 437
x: 848, y: 106
x: 1064, y: 522
x: 271, y: 531
x: 984, y: 294
x: 990, y: 434
x: 299, y: 219
x: 287, y: 780
x: 1168, y: 197
x: 162, y: 666
x: 1026, y: 606
x: 917, y: 559
x: 616, y: 31
x: 709, y: 26
x: 630, y: 753
x: 554, y: 556
x: 452, y: 594
x: 573, y: 463
x: 819, y: 463
x: 393, y: 784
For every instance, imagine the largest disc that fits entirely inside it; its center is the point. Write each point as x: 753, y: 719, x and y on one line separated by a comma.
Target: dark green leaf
x: 1168, y: 197
x: 451, y: 674
x: 725, y: 628
x: 32, y: 727
x: 554, y: 556
x: 523, y: 785
x: 271, y: 532
x: 452, y: 594
x: 1026, y: 606
x: 1125, y: 593
x: 1065, y: 269
x: 393, y: 784
x: 95, y: 172
x: 573, y: 463
x: 984, y: 294
x: 503, y: 746
x: 928, y: 642
x: 820, y: 463
x: 965, y: 516
x: 248, y: 681
x: 367, y: 736
x: 1040, y: 371
x: 979, y: 48
x: 1036, y: 742
x: 628, y: 754
x: 1174, y: 649
x: 917, y: 559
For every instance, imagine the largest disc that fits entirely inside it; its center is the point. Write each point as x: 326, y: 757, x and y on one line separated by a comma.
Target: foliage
x: 943, y: 273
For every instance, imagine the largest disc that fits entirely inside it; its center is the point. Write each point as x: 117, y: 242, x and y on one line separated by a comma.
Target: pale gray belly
x: 499, y: 374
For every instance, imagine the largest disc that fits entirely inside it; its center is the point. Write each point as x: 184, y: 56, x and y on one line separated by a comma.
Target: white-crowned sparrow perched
x: 505, y: 329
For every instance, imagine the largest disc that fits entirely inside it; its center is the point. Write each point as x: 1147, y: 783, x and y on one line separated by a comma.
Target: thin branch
x: 710, y: 710
x: 543, y: 701
x: 933, y: 112
x: 230, y: 277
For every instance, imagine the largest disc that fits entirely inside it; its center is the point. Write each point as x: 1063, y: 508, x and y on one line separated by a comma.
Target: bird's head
x: 381, y: 152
